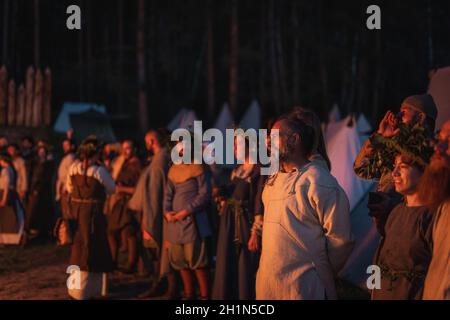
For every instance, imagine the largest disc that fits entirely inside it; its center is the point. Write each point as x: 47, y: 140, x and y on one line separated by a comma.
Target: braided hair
x: 88, y: 149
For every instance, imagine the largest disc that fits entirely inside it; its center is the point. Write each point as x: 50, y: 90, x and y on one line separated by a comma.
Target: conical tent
x: 335, y: 114
x: 184, y: 119
x: 343, y: 144
x: 224, y: 120
x: 363, y: 124
x: 252, y: 117
x: 364, y: 128
x: 439, y: 89
x: 63, y: 124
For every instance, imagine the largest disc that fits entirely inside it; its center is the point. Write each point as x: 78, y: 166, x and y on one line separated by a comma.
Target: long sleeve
x: 156, y: 194
x: 22, y: 181
x: 106, y: 180
x: 63, y: 172
x: 363, y: 161
x: 168, y: 196
x: 203, y: 196
x: 333, y: 210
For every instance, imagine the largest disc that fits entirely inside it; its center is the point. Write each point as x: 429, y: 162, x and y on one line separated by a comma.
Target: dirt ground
x: 38, y: 272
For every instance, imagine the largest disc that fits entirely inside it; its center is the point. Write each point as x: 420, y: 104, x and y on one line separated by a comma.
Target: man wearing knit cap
x: 416, y: 109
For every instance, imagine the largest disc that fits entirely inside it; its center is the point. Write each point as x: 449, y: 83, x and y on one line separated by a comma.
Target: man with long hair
x: 306, y: 235
x: 434, y: 190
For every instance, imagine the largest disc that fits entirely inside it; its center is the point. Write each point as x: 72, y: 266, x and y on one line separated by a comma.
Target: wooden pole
x: 37, y: 101
x: 211, y: 103
x: 47, y: 101
x: 37, y: 40
x: 20, y: 117
x: 5, y: 30
x: 29, y: 91
x: 234, y: 58
x: 11, y: 103
x: 142, y: 93
x: 3, y: 94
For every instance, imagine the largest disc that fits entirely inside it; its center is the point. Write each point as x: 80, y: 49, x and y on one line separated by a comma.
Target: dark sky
x: 338, y: 59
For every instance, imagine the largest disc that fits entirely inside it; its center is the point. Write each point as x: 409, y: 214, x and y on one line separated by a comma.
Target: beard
x: 434, y: 186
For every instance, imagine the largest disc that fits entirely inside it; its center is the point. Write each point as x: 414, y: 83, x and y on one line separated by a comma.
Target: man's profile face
x: 149, y: 141
x: 409, y: 115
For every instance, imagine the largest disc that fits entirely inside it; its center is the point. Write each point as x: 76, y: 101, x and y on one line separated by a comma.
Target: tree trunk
x: 20, y: 118
x: 37, y: 35
x: 280, y: 61
x: 120, y: 57
x: 80, y: 59
x: 430, y: 35
x: 90, y: 56
x: 234, y: 60
x: 3, y: 94
x: 262, y: 53
x: 11, y: 103
x: 378, y: 88
x: 47, y: 100
x: 37, y: 101
x: 29, y: 91
x: 210, y: 63
x: 142, y: 95
x: 5, y: 31
x: 295, y: 58
x: 273, y: 59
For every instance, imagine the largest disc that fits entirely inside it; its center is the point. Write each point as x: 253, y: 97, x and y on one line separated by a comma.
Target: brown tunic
x: 40, y: 203
x: 404, y: 254
x: 119, y: 216
x: 90, y: 250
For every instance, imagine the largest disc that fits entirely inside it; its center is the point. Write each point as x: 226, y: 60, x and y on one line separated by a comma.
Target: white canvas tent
x: 439, y: 89
x: 335, y: 114
x: 63, y: 124
x: 224, y: 120
x: 184, y: 119
x: 364, y: 128
x: 343, y: 142
x: 85, y: 119
x: 252, y: 117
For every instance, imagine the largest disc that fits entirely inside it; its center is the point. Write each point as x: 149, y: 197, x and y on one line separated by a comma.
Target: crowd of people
x: 238, y: 234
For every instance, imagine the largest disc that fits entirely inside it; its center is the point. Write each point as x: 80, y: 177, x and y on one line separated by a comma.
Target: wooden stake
x: 37, y: 102
x: 20, y: 115
x: 11, y: 103
x: 3, y: 94
x: 47, y: 97
x: 29, y: 91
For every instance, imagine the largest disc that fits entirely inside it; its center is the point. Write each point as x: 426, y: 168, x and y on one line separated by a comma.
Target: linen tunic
x: 306, y: 236
x: 437, y: 282
x: 404, y: 254
x: 193, y: 194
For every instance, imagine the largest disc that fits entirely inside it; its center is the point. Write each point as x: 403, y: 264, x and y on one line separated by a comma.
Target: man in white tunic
x: 306, y: 235
x: 21, y: 170
x: 63, y: 171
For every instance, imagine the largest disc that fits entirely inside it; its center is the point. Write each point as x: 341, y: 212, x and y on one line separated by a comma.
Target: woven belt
x: 85, y: 201
x: 239, y: 210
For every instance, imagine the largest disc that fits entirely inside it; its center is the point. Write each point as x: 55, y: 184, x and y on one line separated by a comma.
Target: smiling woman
x: 405, y: 250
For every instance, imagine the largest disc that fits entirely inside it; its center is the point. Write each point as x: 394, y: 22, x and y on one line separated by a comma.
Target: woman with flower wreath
x: 88, y: 184
x: 405, y: 250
